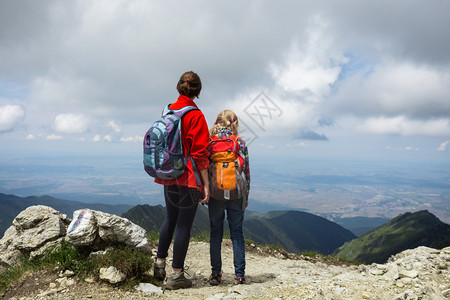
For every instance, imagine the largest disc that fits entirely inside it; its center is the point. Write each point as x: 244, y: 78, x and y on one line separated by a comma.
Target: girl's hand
x: 204, y: 174
x: 206, y: 195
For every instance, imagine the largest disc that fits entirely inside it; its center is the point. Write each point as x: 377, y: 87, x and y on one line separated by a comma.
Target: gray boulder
x: 34, y: 228
x: 99, y: 229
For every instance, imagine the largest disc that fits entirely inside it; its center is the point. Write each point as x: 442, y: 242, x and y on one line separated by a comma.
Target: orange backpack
x: 226, y: 178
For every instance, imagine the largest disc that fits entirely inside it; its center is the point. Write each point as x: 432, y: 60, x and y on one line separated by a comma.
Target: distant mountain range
x: 295, y: 231
x: 406, y: 231
x: 11, y: 206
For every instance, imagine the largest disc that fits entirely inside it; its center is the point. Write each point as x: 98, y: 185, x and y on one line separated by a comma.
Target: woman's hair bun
x: 189, y: 84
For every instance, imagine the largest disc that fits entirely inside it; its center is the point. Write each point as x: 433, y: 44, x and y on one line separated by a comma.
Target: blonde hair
x: 225, y: 119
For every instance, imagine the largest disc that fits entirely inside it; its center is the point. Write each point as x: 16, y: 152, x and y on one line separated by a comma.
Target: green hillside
x: 11, y: 206
x: 406, y: 231
x: 297, y: 231
x: 293, y: 230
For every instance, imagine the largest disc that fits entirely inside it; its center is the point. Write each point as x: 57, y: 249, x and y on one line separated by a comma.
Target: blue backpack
x: 163, y: 147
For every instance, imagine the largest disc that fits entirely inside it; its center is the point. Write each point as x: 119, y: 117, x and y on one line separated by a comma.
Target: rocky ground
x: 421, y: 273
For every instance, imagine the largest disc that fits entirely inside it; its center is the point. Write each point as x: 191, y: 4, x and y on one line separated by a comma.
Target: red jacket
x: 195, y: 136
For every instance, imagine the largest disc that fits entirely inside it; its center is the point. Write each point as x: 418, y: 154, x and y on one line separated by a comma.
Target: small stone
x: 376, y: 271
x: 68, y: 273
x: 89, y: 279
x: 148, y: 288
x: 408, y: 273
x: 112, y: 275
x: 70, y: 282
x: 62, y: 281
x: 52, y: 285
x: 446, y: 293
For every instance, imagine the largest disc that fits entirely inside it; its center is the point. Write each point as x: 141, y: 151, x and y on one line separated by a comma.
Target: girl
x: 183, y: 194
x: 227, y: 125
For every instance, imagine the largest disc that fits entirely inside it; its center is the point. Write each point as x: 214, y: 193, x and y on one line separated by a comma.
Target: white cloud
x: 131, y: 139
x: 30, y: 137
x: 323, y: 60
x: 96, y: 138
x: 312, y: 65
x: 114, y: 126
x: 54, y: 137
x: 274, y: 116
x: 443, y: 146
x: 71, y: 123
x: 10, y: 115
x: 395, y: 88
x: 404, y: 126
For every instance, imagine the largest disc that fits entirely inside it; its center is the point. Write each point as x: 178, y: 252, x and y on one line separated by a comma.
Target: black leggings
x: 181, y: 205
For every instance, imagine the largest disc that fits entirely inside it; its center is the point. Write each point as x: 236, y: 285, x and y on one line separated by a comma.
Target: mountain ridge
x: 406, y: 231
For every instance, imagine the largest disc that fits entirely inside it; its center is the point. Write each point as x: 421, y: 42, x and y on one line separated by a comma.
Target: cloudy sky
x: 354, y: 77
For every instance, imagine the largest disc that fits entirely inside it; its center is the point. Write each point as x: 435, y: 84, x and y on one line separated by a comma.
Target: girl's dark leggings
x: 181, y: 205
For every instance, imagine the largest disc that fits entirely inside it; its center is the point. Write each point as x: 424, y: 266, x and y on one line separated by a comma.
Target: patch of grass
x: 309, y: 253
x: 153, y: 237
x: 250, y: 242
x: 201, y: 237
x: 68, y: 257
x: 10, y: 275
x: 132, y: 262
x: 276, y: 247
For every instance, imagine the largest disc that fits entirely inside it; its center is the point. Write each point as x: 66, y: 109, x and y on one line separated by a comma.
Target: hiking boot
x: 239, y: 280
x: 178, y: 281
x: 215, y: 279
x: 159, y: 270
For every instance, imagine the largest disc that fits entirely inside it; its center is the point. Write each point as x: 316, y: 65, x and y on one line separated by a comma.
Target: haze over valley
x: 330, y: 188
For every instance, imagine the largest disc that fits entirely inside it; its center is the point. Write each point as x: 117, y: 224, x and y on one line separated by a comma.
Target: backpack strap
x: 194, y: 168
x: 178, y: 112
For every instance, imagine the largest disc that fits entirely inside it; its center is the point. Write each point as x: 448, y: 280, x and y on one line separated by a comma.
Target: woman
x: 183, y: 193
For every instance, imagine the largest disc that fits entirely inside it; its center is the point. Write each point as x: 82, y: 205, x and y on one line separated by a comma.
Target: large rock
x: 82, y: 230
x: 92, y: 228
x: 32, y: 230
x: 112, y: 275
